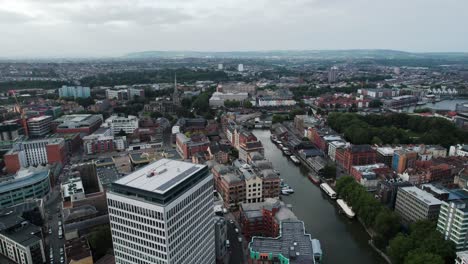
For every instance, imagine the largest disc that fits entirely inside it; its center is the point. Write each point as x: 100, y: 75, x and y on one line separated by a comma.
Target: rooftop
x: 293, y: 244
x: 421, y: 195
x: 39, y: 118
x: 160, y: 176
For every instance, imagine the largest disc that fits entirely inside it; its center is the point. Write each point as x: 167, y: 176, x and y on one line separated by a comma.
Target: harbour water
x: 442, y: 105
x: 343, y: 240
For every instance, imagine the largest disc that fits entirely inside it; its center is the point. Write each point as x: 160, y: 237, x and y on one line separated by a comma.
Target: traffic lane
x: 236, y: 249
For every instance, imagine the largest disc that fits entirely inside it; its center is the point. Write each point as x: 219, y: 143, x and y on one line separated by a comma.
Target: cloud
x: 115, y: 27
x: 8, y: 17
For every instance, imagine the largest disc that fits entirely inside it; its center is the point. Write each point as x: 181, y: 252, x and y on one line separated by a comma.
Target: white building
x: 218, y: 98
x: 74, y: 92
x: 34, y: 152
x: 240, y: 67
x: 220, y: 66
x: 459, y: 150
x: 163, y: 213
x: 451, y: 223
x: 118, y: 123
x: 462, y: 257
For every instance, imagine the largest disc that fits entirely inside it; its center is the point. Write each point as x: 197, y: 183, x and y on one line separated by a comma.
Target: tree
x: 278, y: 119
x: 386, y: 224
x: 376, y: 141
x: 186, y: 103
x: 329, y: 171
x: 421, y: 257
x: 156, y: 114
x: 100, y: 240
x: 399, y: 247
x: 248, y: 104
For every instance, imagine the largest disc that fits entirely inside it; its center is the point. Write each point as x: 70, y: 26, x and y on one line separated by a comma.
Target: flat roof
x: 293, y: 243
x: 40, y: 118
x: 160, y: 176
x: 422, y: 195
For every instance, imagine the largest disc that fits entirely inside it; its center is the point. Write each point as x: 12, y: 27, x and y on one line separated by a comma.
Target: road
x: 236, y: 249
x: 53, y: 215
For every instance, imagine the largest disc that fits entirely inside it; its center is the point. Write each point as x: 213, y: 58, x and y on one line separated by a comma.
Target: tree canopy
x: 423, y: 244
x: 396, y: 128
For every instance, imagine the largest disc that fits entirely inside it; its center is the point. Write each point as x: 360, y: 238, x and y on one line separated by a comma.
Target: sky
x: 105, y: 28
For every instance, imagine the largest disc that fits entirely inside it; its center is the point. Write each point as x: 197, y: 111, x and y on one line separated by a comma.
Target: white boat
x: 295, y: 159
x: 346, y: 209
x: 287, y: 189
x: 328, y: 190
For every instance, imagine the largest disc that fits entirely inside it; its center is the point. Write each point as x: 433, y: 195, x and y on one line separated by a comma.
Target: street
x: 53, y: 215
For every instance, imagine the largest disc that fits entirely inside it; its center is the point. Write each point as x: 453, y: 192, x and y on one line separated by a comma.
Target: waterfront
x: 343, y: 240
x: 442, y: 105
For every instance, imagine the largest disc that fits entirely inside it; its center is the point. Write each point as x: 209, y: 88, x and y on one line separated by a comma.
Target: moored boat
x: 314, y: 178
x: 346, y: 209
x: 295, y: 159
x: 328, y: 190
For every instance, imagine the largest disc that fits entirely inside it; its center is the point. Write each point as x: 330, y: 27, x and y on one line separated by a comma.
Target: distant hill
x: 312, y: 54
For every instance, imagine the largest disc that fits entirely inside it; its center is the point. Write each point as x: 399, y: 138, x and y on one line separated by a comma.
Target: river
x: 442, y: 105
x: 342, y: 240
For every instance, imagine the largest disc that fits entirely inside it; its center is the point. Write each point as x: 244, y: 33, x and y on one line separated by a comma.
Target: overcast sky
x: 40, y: 28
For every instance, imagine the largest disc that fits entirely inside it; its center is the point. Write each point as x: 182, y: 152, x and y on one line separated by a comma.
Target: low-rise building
x: 26, y: 184
x: 120, y: 123
x: 35, y: 152
x: 77, y: 251
x: 186, y: 147
x: 368, y: 175
x: 263, y: 218
x: 293, y: 246
x: 39, y: 126
x: 355, y: 155
x: 218, y: 98
x: 78, y: 123
x: 20, y: 240
x: 413, y: 204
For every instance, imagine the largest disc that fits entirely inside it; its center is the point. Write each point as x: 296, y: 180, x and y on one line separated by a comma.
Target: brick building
x: 187, y: 147
x: 355, y: 155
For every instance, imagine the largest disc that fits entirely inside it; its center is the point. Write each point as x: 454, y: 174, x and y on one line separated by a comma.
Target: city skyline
x: 50, y: 28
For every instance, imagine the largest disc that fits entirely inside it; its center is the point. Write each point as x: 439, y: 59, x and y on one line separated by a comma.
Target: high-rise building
x: 332, y: 74
x: 240, y: 67
x: 220, y: 66
x: 74, y: 92
x: 163, y: 213
x: 451, y: 223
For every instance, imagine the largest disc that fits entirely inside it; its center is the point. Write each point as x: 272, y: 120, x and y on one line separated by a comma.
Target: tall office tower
x: 220, y: 66
x: 240, y: 67
x: 332, y: 74
x: 163, y: 213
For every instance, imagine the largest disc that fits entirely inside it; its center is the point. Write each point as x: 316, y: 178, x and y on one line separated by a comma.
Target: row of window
x: 136, y: 209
